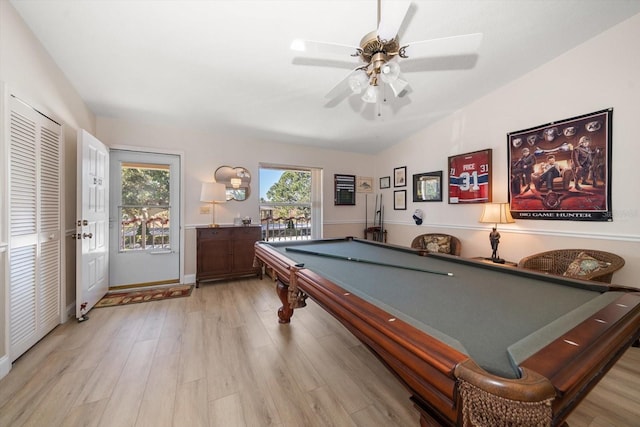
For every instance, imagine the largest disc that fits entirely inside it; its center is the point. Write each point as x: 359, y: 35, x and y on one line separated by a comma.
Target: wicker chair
x: 421, y: 242
x: 558, y: 262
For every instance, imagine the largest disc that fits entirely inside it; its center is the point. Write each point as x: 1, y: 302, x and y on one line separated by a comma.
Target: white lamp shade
x: 236, y: 182
x: 398, y: 86
x: 390, y: 72
x: 213, y: 192
x: 496, y: 213
x: 358, y: 81
x: 371, y: 95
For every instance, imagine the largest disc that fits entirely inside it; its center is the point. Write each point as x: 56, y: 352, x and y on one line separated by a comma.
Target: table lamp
x: 213, y: 192
x: 496, y: 213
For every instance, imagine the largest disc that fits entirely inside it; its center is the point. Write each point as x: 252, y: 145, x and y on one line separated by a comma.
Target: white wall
x: 603, y: 72
x: 26, y: 70
x: 205, y: 152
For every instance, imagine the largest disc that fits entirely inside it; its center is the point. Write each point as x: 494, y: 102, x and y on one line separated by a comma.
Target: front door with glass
x: 144, y: 219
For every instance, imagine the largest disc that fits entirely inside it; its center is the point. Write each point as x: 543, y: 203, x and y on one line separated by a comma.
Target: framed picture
x: 345, y: 189
x: 364, y: 184
x: 385, y: 182
x: 470, y: 177
x: 562, y: 170
x: 400, y: 200
x: 427, y: 187
x: 400, y: 177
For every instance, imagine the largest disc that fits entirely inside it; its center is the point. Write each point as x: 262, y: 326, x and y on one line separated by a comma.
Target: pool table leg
x: 285, y: 312
x: 291, y: 298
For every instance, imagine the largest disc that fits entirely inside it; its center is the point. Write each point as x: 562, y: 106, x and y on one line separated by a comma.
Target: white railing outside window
x: 285, y: 221
x: 144, y: 227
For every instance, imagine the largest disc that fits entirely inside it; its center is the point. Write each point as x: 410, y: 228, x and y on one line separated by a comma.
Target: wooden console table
x: 226, y: 252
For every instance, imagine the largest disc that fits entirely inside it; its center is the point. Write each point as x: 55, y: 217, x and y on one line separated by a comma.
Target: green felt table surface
x: 480, y: 310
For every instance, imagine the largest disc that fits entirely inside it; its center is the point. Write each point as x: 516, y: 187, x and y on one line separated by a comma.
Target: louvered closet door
x: 35, y: 227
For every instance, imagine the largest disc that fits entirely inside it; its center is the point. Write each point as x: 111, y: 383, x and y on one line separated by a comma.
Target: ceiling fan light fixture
x: 370, y: 95
x: 380, y: 51
x: 390, y: 72
x: 398, y: 87
x: 358, y: 81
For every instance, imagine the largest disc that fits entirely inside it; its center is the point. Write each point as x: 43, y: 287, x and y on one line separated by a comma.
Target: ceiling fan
x: 380, y: 51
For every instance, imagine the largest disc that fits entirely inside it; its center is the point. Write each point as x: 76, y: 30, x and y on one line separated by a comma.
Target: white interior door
x: 92, y: 252
x: 145, y: 219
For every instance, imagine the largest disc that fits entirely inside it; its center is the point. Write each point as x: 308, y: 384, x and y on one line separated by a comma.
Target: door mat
x: 155, y: 294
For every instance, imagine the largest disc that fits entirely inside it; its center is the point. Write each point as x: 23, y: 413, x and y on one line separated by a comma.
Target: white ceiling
x: 226, y: 66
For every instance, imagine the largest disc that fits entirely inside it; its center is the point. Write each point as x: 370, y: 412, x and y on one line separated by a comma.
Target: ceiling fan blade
x: 316, y: 48
x: 391, y: 15
x: 342, y: 86
x: 466, y: 44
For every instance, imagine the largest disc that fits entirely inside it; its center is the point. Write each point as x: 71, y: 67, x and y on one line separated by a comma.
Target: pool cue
x: 347, y: 258
x: 381, y: 220
x: 374, y: 211
x: 366, y: 219
x: 379, y: 216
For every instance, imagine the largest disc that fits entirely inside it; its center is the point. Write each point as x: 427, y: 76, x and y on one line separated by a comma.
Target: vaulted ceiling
x: 226, y: 66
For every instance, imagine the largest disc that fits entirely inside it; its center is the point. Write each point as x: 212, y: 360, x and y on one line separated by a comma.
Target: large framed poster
x: 470, y: 177
x: 562, y: 170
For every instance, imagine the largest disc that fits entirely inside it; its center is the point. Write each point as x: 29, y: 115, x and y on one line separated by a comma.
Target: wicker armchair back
x: 559, y: 261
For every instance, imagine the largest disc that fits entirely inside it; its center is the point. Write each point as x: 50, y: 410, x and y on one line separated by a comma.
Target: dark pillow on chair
x: 584, y: 265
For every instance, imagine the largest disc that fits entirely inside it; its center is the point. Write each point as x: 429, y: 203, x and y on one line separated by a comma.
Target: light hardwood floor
x: 220, y: 358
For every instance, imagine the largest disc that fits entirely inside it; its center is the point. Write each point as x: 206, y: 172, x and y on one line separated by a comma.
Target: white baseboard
x: 189, y: 279
x: 5, y: 366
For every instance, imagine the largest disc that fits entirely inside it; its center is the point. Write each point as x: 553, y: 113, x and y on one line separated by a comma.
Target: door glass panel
x: 145, y: 210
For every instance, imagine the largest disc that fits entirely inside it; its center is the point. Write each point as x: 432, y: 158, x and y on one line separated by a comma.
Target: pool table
x: 473, y: 343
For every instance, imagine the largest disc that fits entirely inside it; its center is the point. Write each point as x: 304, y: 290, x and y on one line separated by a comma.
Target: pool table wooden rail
x: 607, y: 335
x: 404, y: 349
x: 431, y: 369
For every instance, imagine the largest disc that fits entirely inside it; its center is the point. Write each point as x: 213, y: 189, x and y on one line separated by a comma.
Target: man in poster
x: 523, y: 168
x: 582, y: 161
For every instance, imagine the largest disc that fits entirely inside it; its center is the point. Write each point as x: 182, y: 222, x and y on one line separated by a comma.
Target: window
x: 287, y: 207
x: 144, y: 213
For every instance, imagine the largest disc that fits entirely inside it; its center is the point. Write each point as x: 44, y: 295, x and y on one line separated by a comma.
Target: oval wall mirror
x: 237, y: 180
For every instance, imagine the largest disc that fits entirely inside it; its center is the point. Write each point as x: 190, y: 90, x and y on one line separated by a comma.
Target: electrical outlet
x: 205, y: 210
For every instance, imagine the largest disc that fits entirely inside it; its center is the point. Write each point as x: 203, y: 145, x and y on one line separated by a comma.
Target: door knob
x: 87, y: 235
